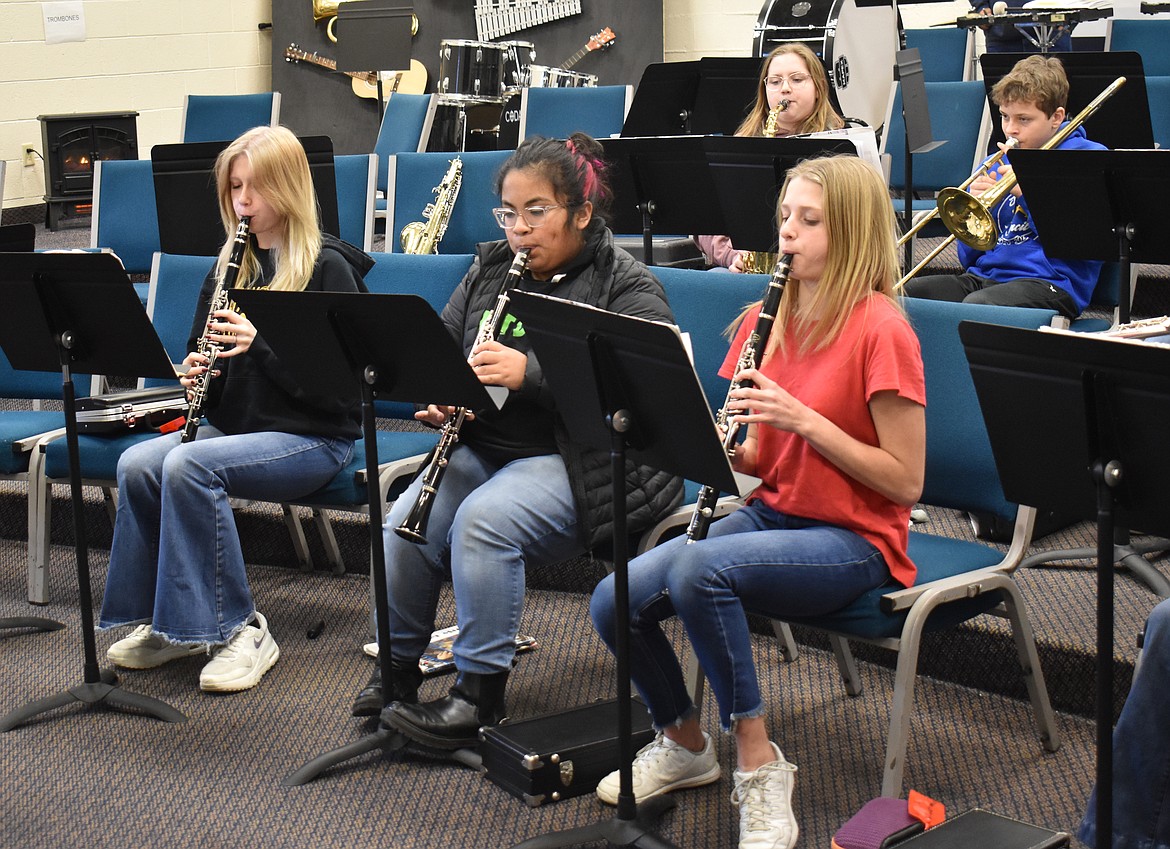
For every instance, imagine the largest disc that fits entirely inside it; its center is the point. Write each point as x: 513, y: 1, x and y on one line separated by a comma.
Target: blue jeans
x: 176, y: 560
x: 1141, y: 751
x: 486, y: 523
x: 754, y: 560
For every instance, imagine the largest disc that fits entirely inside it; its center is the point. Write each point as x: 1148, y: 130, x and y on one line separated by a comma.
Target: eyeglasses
x: 534, y: 216
x: 794, y: 81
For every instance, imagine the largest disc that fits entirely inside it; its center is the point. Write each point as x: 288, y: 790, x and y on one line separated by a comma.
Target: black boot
x: 404, y: 680
x: 452, y: 722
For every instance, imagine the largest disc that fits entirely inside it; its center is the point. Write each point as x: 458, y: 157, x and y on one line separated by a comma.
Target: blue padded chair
x: 957, y: 579
x: 406, y: 124
x: 1147, y: 36
x: 704, y: 305
x: 958, y: 113
x: 356, y: 178
x: 557, y: 113
x: 223, y: 117
x: 1158, y: 95
x: 174, y: 293
x: 400, y: 452
x: 124, y: 216
x: 946, y: 53
x: 413, y: 178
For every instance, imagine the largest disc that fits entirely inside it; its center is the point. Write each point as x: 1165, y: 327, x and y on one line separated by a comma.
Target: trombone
x: 968, y: 217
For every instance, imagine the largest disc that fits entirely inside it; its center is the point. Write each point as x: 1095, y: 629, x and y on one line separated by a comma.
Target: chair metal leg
x: 1025, y: 640
x: 787, y: 642
x: 846, y: 664
x: 39, y: 509
x: 696, y: 679
x: 902, y: 704
x: 296, y: 532
x: 332, y: 549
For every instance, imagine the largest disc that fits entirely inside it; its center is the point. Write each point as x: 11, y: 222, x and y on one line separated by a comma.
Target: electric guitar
x: 603, y: 39
x: 365, y: 83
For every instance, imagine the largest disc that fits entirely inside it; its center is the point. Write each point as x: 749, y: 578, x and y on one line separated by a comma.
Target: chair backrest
x: 557, y: 113
x: 405, y: 127
x: 430, y: 276
x: 38, y: 385
x: 223, y: 117
x: 1147, y: 36
x: 1158, y: 96
x: 946, y: 53
x: 704, y: 303
x: 413, y: 178
x: 960, y: 467
x: 124, y: 217
x: 958, y: 113
x: 173, y: 297
x: 356, y: 175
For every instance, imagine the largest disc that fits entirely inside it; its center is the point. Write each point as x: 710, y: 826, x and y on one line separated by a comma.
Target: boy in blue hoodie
x: 1016, y: 271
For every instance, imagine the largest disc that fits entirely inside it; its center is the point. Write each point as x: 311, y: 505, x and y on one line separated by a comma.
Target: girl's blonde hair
x: 280, y: 172
x: 862, y: 254
x: 822, y: 118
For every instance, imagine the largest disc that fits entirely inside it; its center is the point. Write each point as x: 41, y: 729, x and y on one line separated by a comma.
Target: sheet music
x: 494, y: 18
x: 863, y: 138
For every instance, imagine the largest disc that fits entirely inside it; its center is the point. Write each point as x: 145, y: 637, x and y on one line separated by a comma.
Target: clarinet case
x: 138, y: 411
x: 559, y: 755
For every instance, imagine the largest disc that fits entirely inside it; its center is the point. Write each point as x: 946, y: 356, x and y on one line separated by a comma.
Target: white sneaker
x: 243, y: 661
x: 764, y: 799
x: 661, y: 766
x: 144, y: 649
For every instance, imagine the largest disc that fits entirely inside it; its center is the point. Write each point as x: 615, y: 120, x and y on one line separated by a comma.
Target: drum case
x: 559, y: 755
x: 137, y: 410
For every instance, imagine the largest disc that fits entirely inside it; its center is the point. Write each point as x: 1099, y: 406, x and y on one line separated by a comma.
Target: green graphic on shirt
x: 511, y: 326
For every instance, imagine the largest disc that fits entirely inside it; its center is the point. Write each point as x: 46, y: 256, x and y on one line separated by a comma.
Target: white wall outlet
x: 30, y: 155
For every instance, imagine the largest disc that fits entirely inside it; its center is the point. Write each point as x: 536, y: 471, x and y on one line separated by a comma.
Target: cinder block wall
x: 139, y: 55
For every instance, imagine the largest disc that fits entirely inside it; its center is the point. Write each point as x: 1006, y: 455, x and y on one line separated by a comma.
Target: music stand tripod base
x: 35, y: 623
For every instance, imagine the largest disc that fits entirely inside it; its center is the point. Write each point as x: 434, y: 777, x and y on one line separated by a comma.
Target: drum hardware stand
x: 80, y: 311
x: 624, y: 384
x: 918, y: 138
x: 394, y: 345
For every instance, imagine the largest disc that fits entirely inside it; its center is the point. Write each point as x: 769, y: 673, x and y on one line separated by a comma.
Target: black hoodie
x: 255, y: 393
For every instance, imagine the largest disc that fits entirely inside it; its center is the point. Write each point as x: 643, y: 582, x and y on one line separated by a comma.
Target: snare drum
x: 541, y: 76
x: 470, y: 70
x: 858, y: 45
x: 518, y: 56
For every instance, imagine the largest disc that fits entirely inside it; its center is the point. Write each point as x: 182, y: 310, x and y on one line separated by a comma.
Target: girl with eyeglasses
x: 792, y: 73
x: 517, y: 490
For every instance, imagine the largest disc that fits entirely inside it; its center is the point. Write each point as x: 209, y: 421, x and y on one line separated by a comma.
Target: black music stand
x: 1078, y: 426
x: 711, y: 95
x: 79, y: 312
x: 918, y: 138
x: 394, y: 345
x: 655, y: 183
x: 16, y: 238
x: 377, y: 36
x: 1098, y: 204
x: 623, y: 384
x: 1123, y: 121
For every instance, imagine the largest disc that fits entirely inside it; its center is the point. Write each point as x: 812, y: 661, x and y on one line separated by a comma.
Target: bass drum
x: 856, y: 40
x: 470, y: 70
x: 542, y: 76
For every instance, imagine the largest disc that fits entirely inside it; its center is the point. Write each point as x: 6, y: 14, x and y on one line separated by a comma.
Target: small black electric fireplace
x: 71, y: 145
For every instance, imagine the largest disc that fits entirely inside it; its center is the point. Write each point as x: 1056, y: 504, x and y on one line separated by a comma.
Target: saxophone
x: 219, y: 301
x: 420, y: 238
x: 764, y: 262
x: 414, y: 527
x: 750, y: 356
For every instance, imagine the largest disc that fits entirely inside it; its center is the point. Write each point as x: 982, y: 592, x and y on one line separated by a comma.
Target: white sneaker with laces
x: 241, y: 663
x: 764, y: 799
x: 144, y: 649
x: 661, y: 766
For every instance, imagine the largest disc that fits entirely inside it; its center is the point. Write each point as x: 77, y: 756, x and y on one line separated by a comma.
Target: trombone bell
x: 968, y: 218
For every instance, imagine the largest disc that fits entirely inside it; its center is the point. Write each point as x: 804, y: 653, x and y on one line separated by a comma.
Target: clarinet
x: 750, y: 356
x: 414, y: 527
x: 209, y: 349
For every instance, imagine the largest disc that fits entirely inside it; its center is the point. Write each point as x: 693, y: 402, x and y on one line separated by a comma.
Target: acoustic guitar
x: 365, y: 83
